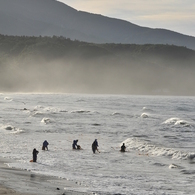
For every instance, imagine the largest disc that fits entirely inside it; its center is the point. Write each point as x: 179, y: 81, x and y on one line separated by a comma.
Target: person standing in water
x: 74, y: 145
x: 123, y: 147
x: 94, y: 146
x: 45, y: 145
x: 35, y: 152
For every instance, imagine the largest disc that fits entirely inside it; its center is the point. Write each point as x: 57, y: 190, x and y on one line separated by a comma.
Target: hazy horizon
x: 127, y: 77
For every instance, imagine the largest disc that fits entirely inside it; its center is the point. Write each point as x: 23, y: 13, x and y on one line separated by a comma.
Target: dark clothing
x: 45, y: 145
x: 94, y: 146
x: 123, y: 148
x: 74, y: 145
x: 35, y: 152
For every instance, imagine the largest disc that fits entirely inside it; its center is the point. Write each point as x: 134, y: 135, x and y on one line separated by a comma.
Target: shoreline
x: 21, y: 182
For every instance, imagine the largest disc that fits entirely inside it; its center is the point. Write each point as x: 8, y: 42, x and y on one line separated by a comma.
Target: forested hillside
x: 54, y: 18
x: 57, y: 64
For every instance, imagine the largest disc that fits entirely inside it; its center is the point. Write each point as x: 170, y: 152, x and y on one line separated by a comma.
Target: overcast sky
x: 176, y: 15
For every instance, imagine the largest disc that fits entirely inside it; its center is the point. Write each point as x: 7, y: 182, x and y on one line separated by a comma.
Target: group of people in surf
x: 94, y: 146
x: 35, y: 152
x: 75, y: 146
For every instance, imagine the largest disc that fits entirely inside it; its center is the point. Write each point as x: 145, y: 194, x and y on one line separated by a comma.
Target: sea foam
x: 152, y: 149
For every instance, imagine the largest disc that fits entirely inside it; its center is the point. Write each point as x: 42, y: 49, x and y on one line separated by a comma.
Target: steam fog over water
x: 100, y: 76
x: 157, y: 131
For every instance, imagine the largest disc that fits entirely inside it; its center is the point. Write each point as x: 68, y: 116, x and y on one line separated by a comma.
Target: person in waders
x: 74, y: 144
x: 94, y: 146
x: 35, y: 152
x: 45, y: 145
x: 123, y: 147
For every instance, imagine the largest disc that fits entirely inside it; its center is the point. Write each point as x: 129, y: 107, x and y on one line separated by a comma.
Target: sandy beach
x: 21, y: 182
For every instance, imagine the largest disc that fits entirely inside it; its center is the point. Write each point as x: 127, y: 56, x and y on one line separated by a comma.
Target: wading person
x: 45, y: 145
x: 35, y: 152
x: 123, y: 147
x: 74, y: 144
x: 94, y: 146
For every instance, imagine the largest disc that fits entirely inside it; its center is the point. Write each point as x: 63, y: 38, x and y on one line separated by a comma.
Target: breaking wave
x: 80, y: 111
x: 116, y: 113
x: 144, y: 115
x: 46, y: 120
x: 40, y: 110
x: 10, y: 129
x: 8, y: 99
x: 177, y: 121
x: 146, y: 147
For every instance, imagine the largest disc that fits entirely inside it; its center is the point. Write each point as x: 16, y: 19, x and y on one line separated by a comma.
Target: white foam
x: 176, y: 121
x: 46, y: 120
x: 51, y: 109
x: 8, y: 99
x: 115, y: 113
x: 144, y: 115
x: 142, y: 146
x: 181, y: 122
x: 171, y: 121
x: 173, y: 166
x: 10, y: 129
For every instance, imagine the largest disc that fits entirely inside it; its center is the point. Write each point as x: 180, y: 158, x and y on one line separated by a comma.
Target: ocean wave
x: 80, y: 111
x: 63, y: 111
x: 188, y: 172
x: 119, y: 114
x: 11, y: 129
x: 8, y: 99
x: 46, y: 120
x: 45, y: 111
x: 116, y: 113
x: 176, y: 122
x: 38, y: 107
x: 174, y: 166
x: 144, y: 115
x: 52, y: 110
x: 146, y: 147
x: 37, y: 113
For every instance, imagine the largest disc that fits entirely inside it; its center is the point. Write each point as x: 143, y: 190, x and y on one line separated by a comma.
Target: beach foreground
x: 21, y: 182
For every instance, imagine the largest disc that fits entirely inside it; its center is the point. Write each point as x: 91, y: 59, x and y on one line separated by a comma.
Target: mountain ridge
x: 53, y: 18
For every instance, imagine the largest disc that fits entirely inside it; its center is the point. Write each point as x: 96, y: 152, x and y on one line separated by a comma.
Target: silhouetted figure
x: 94, y: 146
x: 35, y: 152
x: 45, y: 145
x: 123, y: 147
x: 74, y: 145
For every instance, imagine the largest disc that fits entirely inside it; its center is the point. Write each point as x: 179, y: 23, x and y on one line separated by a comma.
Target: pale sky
x: 175, y: 15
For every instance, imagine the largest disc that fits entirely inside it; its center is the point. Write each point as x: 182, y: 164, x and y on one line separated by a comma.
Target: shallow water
x: 158, y: 132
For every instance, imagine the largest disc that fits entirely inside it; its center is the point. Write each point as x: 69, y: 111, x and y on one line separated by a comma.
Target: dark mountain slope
x: 49, y: 17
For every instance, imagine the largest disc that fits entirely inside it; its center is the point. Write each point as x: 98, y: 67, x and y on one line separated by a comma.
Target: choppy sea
x: 159, y: 133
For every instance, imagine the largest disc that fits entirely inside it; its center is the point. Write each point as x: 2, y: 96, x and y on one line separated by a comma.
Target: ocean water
x: 159, y: 134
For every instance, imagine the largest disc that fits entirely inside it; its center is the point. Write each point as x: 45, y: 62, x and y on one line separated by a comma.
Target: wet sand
x: 21, y: 182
